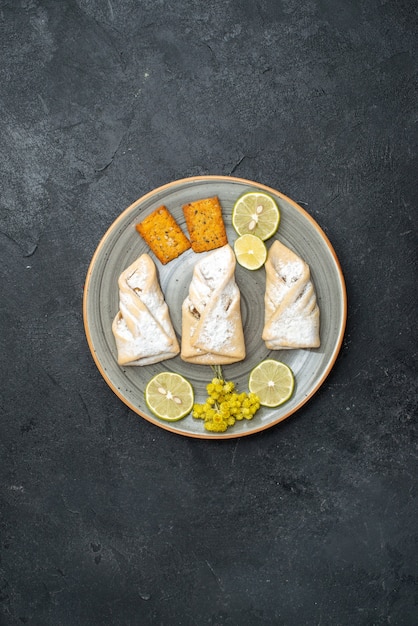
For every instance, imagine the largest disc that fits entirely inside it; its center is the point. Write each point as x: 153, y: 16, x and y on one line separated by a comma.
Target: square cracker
x: 205, y: 224
x: 163, y: 235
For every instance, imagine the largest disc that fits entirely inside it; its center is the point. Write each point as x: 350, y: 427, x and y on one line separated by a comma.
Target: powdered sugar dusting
x: 218, y: 329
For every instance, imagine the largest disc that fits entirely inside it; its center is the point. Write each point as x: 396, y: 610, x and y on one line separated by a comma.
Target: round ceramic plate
x: 121, y: 245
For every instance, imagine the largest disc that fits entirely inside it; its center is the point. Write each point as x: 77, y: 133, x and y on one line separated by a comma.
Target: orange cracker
x: 163, y: 235
x: 205, y: 224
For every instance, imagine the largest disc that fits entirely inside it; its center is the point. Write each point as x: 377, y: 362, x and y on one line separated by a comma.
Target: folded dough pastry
x: 291, y: 309
x: 211, y: 315
x: 142, y: 327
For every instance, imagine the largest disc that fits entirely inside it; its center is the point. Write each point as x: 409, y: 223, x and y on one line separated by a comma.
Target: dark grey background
x: 106, y: 519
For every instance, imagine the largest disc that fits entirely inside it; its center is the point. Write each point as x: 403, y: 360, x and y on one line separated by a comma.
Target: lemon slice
x: 273, y: 382
x: 250, y: 251
x: 256, y: 213
x: 169, y: 396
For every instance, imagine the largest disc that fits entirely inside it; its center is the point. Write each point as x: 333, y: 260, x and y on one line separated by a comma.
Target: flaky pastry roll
x: 291, y: 309
x: 212, y: 330
x: 142, y: 327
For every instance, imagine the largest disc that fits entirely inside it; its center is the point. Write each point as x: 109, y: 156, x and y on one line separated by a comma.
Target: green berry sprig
x: 224, y: 406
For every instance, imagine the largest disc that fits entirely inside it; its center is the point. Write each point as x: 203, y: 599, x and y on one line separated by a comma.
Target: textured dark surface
x: 106, y: 519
